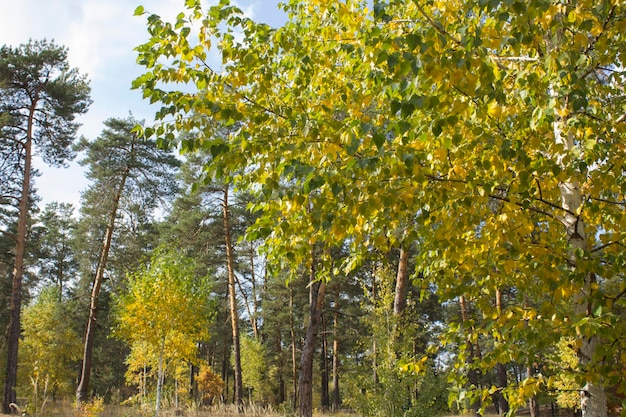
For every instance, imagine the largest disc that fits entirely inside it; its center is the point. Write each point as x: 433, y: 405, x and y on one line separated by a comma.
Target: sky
x: 100, y: 36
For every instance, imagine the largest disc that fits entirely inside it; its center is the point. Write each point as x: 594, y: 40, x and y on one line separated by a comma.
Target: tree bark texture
x: 325, y: 392
x: 399, y: 301
x: 474, y: 375
x: 336, y: 393
x: 533, y: 405
x: 305, y: 381
x: 502, y: 404
x: 281, y: 379
x: 234, y: 315
x: 90, y: 332
x: 294, y: 362
x: 14, y: 330
x: 593, y: 397
x: 160, y: 379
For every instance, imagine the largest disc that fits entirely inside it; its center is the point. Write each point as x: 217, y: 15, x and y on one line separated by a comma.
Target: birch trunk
x: 593, y: 397
x: 160, y: 378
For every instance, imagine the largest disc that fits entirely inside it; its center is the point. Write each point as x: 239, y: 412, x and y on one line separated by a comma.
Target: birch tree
x: 491, y: 130
x: 165, y: 313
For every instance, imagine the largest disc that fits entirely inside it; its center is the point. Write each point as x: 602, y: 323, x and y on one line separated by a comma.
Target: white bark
x: 160, y: 378
x: 593, y: 397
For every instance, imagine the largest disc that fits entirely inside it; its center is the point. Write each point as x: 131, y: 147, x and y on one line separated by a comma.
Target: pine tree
x: 126, y: 171
x: 40, y: 96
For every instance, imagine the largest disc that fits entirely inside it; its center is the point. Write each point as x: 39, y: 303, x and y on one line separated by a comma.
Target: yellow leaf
x: 441, y: 154
x: 495, y: 109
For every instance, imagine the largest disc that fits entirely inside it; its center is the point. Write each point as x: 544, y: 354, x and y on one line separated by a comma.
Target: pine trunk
x: 399, y: 301
x: 305, y: 381
x: 325, y: 392
x: 234, y: 316
x: 14, y: 329
x: 501, y: 378
x: 90, y: 332
x: 336, y: 394
x: 255, y: 302
x: 294, y: 362
x: 473, y: 374
x: 281, y: 380
x: 374, y: 346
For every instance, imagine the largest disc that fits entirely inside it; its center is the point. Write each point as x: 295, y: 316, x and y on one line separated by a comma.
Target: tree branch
x: 435, y: 25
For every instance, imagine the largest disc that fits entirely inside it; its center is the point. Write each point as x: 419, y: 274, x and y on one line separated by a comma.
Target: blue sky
x: 100, y: 36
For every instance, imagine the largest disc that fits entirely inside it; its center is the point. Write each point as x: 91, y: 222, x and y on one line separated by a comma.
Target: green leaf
x: 412, y: 40
x: 379, y: 139
x: 218, y: 149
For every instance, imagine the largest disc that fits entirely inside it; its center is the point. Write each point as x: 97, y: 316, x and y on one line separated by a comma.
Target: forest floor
x: 117, y: 411
x: 66, y: 409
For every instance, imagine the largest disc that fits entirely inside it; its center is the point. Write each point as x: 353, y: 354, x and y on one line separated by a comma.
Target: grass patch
x: 68, y: 409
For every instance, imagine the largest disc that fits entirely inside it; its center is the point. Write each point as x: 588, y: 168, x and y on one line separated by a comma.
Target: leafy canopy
x: 429, y: 121
x: 36, y: 78
x: 167, y: 310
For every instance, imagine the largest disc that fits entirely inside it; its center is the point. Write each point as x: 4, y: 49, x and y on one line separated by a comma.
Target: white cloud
x: 249, y: 11
x: 94, y: 40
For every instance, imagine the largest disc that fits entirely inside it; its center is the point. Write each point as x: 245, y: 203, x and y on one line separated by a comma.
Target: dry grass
x: 471, y: 415
x: 66, y: 409
x: 118, y: 411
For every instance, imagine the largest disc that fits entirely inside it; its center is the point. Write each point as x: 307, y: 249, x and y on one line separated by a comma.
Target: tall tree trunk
x: 399, y: 300
x: 501, y: 379
x: 193, y: 387
x: 14, y: 330
x: 255, y: 301
x: 374, y: 346
x: 473, y: 374
x: 90, y: 332
x: 59, y: 275
x: 160, y: 378
x: 294, y: 362
x: 305, y: 381
x: 533, y: 405
x: 281, y: 379
x: 593, y: 396
x: 325, y: 393
x: 234, y: 315
x: 336, y: 393
x: 225, y: 375
x: 144, y: 389
x: 250, y: 308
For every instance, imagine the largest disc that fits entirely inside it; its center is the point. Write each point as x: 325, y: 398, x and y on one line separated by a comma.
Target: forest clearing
x: 398, y: 208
